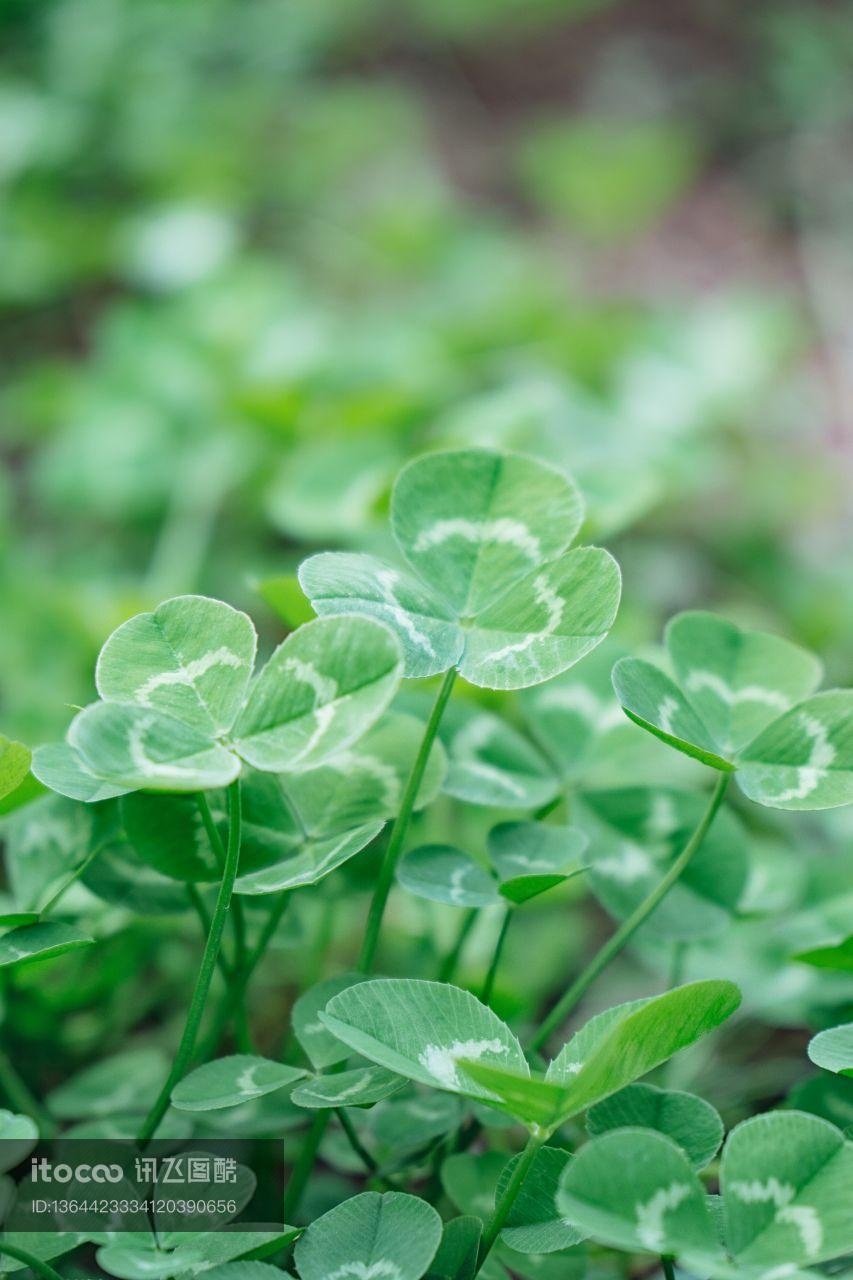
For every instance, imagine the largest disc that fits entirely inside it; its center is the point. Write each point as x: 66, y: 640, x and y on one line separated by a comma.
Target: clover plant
x: 249, y: 803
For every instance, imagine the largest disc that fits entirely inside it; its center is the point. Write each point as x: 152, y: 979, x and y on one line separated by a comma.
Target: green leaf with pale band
x: 531, y: 857
x: 361, y: 1087
x: 804, y: 760
x: 61, y: 768
x: 228, y: 1082
x: 491, y: 587
x: 635, y: 1190
x: 786, y: 1178
x: 191, y: 658
x: 422, y: 1030
x: 491, y: 763
x: 729, y: 685
x: 390, y: 1237
x: 134, y: 748
x: 18, y: 1136
x: 612, y: 1050
x: 320, y: 691
x: 176, y: 717
x: 441, y: 873
x: 833, y: 1049
x: 42, y: 941
x: 691, y: 1122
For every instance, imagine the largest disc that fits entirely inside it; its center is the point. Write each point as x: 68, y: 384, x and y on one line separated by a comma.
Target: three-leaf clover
x: 442, y: 1036
x: 391, y: 1236
x: 489, y: 586
x: 178, y: 711
x: 739, y: 700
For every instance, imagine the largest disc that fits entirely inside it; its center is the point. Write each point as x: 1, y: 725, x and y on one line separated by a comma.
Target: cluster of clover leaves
x: 203, y: 772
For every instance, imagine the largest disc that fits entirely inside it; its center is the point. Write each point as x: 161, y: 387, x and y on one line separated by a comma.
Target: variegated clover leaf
x: 371, y: 1237
x: 489, y: 586
x: 785, y: 1180
x: 740, y: 700
x: 441, y: 1036
x: 178, y: 710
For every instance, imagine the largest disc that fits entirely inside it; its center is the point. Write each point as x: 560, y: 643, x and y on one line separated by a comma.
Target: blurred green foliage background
x: 258, y: 252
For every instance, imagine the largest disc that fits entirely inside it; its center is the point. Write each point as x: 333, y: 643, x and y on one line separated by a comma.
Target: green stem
x: 668, y: 1268
x: 546, y: 809
x: 304, y: 1164
x: 237, y: 917
x: 451, y: 960
x: 206, y: 969
x: 240, y: 982
x: 70, y: 879
x: 401, y: 826
x: 489, y: 984
x: 41, y: 1268
x: 507, y: 1200
x: 361, y: 1150
x: 629, y: 927
x: 19, y: 1095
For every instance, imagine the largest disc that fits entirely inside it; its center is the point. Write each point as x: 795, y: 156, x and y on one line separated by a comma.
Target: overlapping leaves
x: 740, y: 700
x: 178, y: 712
x: 490, y: 586
x: 441, y: 1036
x: 784, y: 1178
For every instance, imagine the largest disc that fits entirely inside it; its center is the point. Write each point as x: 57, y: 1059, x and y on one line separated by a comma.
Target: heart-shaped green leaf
x: 570, y: 715
x: 635, y: 1189
x: 365, y: 782
x: 191, y: 658
x: 729, y: 684
x: 227, y: 1082
x: 422, y: 1030
x: 636, y: 833
x: 42, y: 941
x: 534, y: 1223
x: 833, y: 1049
x: 612, y: 1050
x: 803, y: 760
x: 471, y: 522
x: 322, y: 1049
x: 691, y: 1122
x: 315, y: 858
x: 320, y: 691
x: 786, y: 1178
x: 391, y: 1236
x: 133, y: 748
x: 61, y: 768
x: 494, y: 589
x: 491, y: 763
x: 532, y: 857
x: 361, y: 1087
x: 441, y: 873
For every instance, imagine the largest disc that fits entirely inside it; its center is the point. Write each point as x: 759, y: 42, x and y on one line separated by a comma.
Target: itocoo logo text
x: 43, y: 1170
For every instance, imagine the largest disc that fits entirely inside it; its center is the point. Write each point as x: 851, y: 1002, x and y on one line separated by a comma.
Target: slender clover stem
x: 508, y: 1198
x: 401, y: 826
x: 361, y: 1150
x: 489, y: 984
x: 668, y: 1268
x: 35, y: 1264
x: 240, y: 981
x: 629, y: 927
x: 70, y: 879
x: 451, y: 960
x: 218, y: 848
x: 304, y: 1164
x: 205, y: 973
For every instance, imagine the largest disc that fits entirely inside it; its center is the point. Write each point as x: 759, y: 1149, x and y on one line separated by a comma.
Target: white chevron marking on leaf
x: 650, y: 1216
x: 504, y: 529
